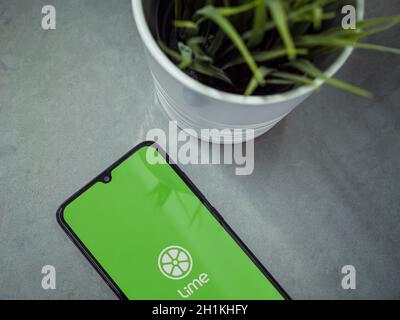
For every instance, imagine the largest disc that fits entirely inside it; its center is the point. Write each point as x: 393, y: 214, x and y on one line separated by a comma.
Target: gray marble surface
x: 326, y: 186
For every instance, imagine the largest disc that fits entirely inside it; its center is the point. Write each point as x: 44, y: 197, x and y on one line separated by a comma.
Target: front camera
x: 107, y: 178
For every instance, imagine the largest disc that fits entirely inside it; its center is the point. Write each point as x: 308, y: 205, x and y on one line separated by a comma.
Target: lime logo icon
x: 175, y: 262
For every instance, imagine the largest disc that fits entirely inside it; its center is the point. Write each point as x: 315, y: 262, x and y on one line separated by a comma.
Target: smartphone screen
x: 152, y: 235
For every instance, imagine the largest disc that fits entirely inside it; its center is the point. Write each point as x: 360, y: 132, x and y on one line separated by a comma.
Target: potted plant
x: 246, y: 64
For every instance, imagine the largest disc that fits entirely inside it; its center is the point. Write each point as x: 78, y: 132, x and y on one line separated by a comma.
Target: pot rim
x: 203, y: 89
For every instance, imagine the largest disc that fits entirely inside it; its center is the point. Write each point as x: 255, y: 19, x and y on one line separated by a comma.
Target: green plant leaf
x: 280, y: 82
x: 254, y: 83
x: 216, y: 43
x: 194, y: 43
x: 211, y: 71
x: 264, y: 56
x: 376, y: 47
x: 173, y: 54
x: 281, y: 20
x: 260, y: 18
x: 186, y: 25
x: 367, y: 27
x: 317, y: 16
x: 295, y: 78
x: 186, y: 55
x: 231, y: 11
x: 337, y: 42
x: 211, y: 13
x: 308, y: 68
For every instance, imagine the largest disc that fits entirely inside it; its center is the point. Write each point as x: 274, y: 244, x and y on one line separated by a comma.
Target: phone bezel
x: 92, y: 260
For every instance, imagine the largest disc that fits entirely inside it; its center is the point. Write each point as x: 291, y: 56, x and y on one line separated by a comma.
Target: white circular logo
x: 175, y: 262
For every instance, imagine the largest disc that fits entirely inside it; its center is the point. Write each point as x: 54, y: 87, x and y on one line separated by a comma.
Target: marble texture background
x: 326, y: 186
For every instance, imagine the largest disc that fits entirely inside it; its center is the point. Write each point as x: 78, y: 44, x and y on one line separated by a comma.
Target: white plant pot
x: 196, y: 106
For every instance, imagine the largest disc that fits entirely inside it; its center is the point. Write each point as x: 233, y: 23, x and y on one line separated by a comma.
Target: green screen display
x: 156, y: 239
